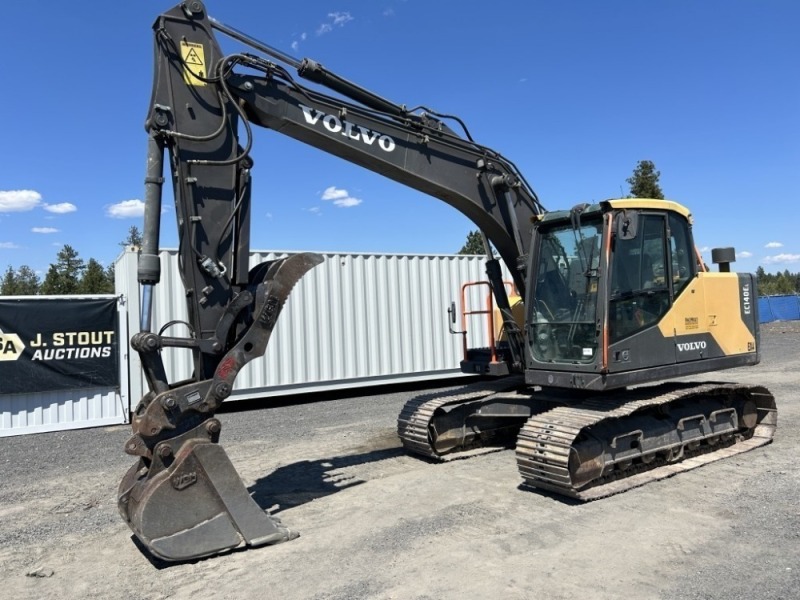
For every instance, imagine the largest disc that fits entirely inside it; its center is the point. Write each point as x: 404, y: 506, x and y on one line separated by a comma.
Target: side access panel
x: 715, y: 317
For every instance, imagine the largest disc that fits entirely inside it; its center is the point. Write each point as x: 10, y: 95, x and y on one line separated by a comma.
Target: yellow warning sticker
x: 194, y: 63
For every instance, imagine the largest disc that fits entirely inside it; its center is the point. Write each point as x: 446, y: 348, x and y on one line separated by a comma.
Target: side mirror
x: 451, y: 313
x: 627, y: 225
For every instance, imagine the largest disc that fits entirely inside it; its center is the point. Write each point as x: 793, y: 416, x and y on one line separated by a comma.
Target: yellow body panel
x: 517, y: 310
x: 711, y: 304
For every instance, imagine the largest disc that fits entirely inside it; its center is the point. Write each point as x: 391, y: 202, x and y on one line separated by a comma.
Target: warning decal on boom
x: 194, y: 63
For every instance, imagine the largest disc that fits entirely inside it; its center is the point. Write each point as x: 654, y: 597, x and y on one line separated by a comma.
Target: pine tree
x: 111, y: 275
x: 134, y: 238
x: 644, y: 181
x: 63, y: 277
x: 95, y: 280
x: 474, y: 244
x: 27, y: 281
x: 23, y: 282
x: 8, y: 287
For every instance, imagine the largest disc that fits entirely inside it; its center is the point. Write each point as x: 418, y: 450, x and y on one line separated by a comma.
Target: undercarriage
x: 589, y: 447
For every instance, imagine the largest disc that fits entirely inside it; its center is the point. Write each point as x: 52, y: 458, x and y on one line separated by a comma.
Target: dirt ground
x: 376, y: 523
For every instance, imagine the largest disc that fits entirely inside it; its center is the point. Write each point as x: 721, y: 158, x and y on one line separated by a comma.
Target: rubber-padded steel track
x: 547, y: 440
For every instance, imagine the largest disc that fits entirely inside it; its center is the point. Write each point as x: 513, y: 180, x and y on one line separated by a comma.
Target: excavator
x: 613, y: 307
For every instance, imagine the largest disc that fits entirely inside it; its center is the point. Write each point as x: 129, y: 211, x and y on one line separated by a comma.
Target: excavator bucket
x: 195, y: 507
x: 184, y: 499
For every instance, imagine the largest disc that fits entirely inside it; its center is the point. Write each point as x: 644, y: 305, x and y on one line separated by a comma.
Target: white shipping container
x: 357, y: 319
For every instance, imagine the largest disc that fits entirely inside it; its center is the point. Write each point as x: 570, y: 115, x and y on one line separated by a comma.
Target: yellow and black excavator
x: 615, y: 302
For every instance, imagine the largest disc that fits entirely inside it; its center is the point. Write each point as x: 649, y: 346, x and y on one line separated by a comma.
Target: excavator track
x: 416, y: 425
x: 611, y: 443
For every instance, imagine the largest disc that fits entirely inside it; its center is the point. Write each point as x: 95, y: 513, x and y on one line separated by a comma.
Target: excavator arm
x: 183, y: 499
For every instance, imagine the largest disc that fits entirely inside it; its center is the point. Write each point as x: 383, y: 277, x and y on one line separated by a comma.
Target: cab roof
x: 623, y: 204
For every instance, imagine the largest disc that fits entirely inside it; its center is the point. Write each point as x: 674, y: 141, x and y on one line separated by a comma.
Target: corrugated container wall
x: 356, y: 319
x: 61, y: 410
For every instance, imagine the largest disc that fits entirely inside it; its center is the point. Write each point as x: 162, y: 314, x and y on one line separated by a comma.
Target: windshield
x: 565, y: 293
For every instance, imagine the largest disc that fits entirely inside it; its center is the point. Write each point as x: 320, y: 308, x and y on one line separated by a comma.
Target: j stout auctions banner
x: 58, y: 344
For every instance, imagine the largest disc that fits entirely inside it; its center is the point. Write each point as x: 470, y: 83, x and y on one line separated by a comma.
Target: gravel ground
x: 376, y: 523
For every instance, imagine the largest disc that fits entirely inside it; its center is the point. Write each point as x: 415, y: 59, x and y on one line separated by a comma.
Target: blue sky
x: 574, y: 92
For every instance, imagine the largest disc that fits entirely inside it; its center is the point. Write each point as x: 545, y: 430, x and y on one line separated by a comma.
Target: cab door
x: 640, y: 293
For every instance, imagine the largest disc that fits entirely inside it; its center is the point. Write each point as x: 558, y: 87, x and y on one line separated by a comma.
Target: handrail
x: 488, y: 310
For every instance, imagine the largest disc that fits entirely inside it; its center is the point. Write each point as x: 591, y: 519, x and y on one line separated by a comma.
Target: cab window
x: 681, y: 251
x: 640, y: 271
x: 563, y: 328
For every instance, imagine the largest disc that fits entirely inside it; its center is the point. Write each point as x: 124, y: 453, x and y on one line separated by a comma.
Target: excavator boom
x: 183, y: 498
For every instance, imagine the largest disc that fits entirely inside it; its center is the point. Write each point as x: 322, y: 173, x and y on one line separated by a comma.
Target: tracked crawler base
x: 616, y: 442
x: 598, y: 446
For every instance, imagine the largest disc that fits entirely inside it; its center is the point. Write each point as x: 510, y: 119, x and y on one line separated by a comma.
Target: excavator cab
x: 617, y: 304
x: 617, y: 295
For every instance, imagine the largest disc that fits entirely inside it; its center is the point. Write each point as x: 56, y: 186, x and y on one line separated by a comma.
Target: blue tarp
x: 778, y: 308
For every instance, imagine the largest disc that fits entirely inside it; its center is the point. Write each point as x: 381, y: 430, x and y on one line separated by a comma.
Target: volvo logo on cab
x: 354, y: 132
x: 687, y: 346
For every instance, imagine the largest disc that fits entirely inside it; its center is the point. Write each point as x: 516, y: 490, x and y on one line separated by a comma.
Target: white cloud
x: 337, y: 19
x: 340, y: 18
x: 125, y: 209
x: 389, y: 12
x: 296, y: 43
x: 745, y: 254
x: 334, y: 193
x: 347, y: 202
x: 340, y: 197
x: 61, y: 208
x: 782, y: 259
x: 44, y: 230
x: 8, y: 246
x: 705, y: 249
x: 19, y: 200
x: 774, y: 245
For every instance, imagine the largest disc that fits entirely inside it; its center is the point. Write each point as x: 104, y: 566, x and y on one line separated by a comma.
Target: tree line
x: 68, y: 275
x: 644, y: 184
x: 777, y: 284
